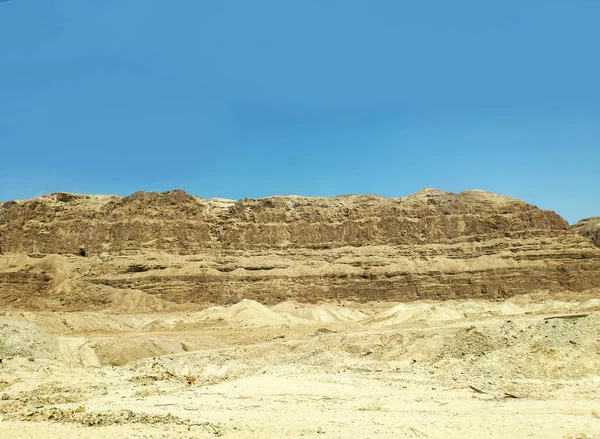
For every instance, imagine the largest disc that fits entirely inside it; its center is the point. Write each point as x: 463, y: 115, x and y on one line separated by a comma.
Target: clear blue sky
x: 314, y: 97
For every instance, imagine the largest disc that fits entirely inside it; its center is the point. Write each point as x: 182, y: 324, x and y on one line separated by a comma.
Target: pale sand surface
x: 378, y: 370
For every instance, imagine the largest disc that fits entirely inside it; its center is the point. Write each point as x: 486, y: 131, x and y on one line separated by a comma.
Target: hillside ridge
x: 76, y: 251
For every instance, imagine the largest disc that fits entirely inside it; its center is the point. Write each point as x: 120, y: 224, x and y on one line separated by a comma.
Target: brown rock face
x: 431, y: 244
x: 589, y: 228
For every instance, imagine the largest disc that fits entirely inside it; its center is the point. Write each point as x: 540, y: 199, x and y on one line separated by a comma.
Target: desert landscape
x: 164, y: 315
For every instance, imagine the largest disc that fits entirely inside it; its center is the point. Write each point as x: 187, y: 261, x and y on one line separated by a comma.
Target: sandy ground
x: 429, y: 370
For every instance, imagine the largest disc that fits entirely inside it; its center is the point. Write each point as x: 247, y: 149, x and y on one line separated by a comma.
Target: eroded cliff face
x: 181, y: 248
x: 181, y: 224
x: 590, y: 228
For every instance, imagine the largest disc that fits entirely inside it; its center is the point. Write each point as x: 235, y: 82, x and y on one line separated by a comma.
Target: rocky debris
x: 94, y: 419
x: 22, y: 339
x: 156, y: 250
x: 538, y: 349
x: 509, y: 351
x: 589, y: 228
x: 46, y: 394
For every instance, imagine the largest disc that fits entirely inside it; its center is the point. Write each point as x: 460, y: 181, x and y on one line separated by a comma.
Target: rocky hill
x: 590, y: 228
x: 70, y: 251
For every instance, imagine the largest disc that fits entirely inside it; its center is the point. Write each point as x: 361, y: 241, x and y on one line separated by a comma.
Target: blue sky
x: 315, y: 97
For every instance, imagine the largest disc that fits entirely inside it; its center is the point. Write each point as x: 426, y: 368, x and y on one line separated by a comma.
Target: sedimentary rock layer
x: 590, y: 228
x: 75, y: 251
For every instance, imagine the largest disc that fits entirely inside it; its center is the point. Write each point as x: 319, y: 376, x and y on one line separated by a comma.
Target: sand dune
x: 319, y: 314
x: 247, y: 312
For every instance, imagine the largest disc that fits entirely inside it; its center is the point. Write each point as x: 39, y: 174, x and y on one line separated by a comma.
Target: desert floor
x: 338, y: 370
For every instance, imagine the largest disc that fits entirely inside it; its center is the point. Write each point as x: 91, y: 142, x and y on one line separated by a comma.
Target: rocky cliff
x: 590, y: 228
x: 81, y: 251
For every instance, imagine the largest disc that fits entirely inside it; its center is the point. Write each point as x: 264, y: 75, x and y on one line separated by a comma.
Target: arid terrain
x: 165, y: 315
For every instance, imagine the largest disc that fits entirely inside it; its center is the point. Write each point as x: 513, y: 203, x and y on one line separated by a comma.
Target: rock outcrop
x: 74, y: 251
x: 590, y: 228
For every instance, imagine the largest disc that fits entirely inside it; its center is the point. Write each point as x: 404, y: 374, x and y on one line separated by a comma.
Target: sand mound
x: 22, y: 339
x: 136, y: 301
x: 60, y: 274
x: 78, y: 351
x: 248, y: 312
x: 331, y: 350
x: 26, y: 340
x: 63, y: 323
x: 450, y: 310
x: 319, y: 314
x: 120, y: 351
x: 117, y: 352
x: 590, y: 304
x: 512, y: 349
x: 485, y: 309
x: 415, y: 312
x: 565, y: 348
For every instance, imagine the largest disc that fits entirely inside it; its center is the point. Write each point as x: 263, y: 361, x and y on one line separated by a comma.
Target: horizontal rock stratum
x: 589, y: 227
x: 69, y: 251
